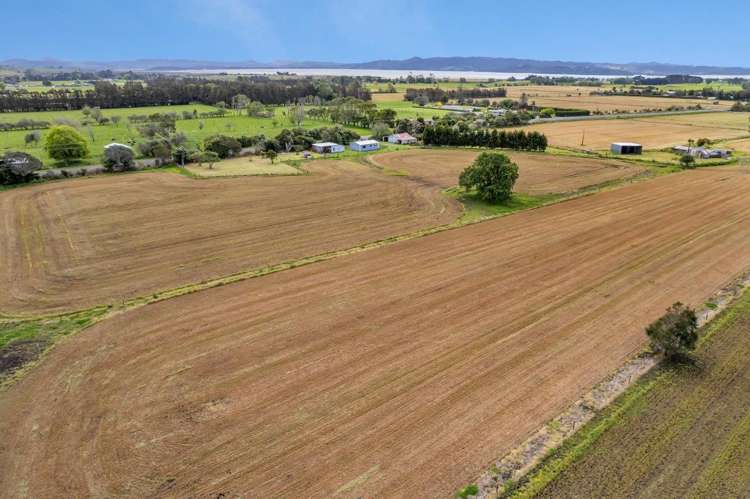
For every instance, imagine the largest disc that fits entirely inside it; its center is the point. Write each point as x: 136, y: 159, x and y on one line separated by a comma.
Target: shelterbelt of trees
x: 442, y: 135
x: 181, y: 90
x: 440, y: 95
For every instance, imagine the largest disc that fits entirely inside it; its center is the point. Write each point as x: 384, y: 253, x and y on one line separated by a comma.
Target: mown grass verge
x: 22, y: 342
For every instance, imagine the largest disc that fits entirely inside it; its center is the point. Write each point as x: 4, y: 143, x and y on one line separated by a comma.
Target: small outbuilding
x: 626, y: 148
x: 364, y: 145
x: 327, y: 147
x: 402, y: 138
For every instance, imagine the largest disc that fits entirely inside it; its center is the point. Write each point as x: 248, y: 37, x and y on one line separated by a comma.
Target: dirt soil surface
x: 689, y: 436
x: 76, y: 243
x: 397, y: 372
x: 580, y: 98
x: 653, y: 134
x: 538, y: 173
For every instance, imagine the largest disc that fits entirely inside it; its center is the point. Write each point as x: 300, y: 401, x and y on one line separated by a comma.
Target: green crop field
x: 682, y: 431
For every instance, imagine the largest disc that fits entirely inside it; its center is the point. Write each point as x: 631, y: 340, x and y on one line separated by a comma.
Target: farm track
x: 73, y: 244
x: 401, y: 372
x: 538, y: 173
x: 687, y: 436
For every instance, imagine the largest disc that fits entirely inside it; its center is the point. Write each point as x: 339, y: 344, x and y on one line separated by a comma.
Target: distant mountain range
x: 479, y: 64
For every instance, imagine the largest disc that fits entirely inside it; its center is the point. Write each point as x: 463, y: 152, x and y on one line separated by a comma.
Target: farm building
x: 365, y: 145
x: 702, y: 152
x: 457, y: 109
x: 626, y: 148
x: 402, y: 138
x: 327, y: 147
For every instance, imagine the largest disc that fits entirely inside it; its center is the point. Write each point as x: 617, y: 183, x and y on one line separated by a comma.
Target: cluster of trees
x: 299, y: 139
x: 441, y: 135
x: 164, y: 90
x: 351, y: 111
x: 707, y: 92
x: 563, y: 80
x: 426, y: 95
x: 24, y: 124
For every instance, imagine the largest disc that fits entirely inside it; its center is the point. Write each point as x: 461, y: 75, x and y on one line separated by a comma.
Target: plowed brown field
x: 72, y: 244
x: 402, y: 371
x: 538, y: 173
x: 580, y: 98
x: 653, y: 134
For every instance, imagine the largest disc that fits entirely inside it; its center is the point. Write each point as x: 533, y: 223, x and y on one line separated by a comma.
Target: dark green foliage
x: 18, y: 167
x: 687, y: 161
x: 675, y: 333
x: 493, y: 175
x: 157, y: 148
x: 443, y: 135
x: 299, y: 139
x: 119, y: 157
x: 163, y: 90
x: 469, y: 490
x: 222, y: 145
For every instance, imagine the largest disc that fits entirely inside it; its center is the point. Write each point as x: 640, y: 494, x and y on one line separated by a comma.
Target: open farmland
x: 599, y: 134
x: 195, y: 130
x: 686, y: 433
x: 538, y: 173
x: 81, y: 242
x: 580, y: 98
x: 401, y: 371
x: 732, y: 120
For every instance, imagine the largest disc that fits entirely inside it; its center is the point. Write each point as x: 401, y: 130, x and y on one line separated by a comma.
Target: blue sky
x: 687, y: 31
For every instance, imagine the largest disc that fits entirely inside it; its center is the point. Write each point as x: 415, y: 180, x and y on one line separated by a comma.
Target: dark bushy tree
x: 493, y: 175
x: 675, y: 333
x: 119, y: 157
x: 222, y: 145
x: 18, y: 167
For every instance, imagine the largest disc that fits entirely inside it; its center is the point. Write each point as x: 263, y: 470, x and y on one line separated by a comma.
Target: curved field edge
x: 47, y: 329
x: 474, y: 210
x: 733, y: 302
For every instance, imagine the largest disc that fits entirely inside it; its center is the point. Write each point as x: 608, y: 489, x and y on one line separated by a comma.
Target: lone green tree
x: 64, y: 143
x: 675, y: 333
x: 687, y: 161
x: 493, y: 175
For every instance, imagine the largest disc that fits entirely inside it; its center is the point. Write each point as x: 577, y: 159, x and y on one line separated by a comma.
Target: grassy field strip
x: 526, y: 470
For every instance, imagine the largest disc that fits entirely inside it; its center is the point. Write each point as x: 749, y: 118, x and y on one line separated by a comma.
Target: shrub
x: 161, y: 149
x: 64, y: 143
x: 18, y: 167
x: 493, y: 175
x: 181, y: 155
x: 687, y: 161
x: 675, y: 333
x: 119, y: 157
x: 547, y: 112
x: 222, y: 145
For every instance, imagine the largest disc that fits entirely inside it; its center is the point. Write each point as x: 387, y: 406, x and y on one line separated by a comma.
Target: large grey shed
x: 626, y: 148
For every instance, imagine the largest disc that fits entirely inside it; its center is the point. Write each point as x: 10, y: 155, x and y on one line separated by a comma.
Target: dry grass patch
x: 599, y: 134
x: 246, y: 165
